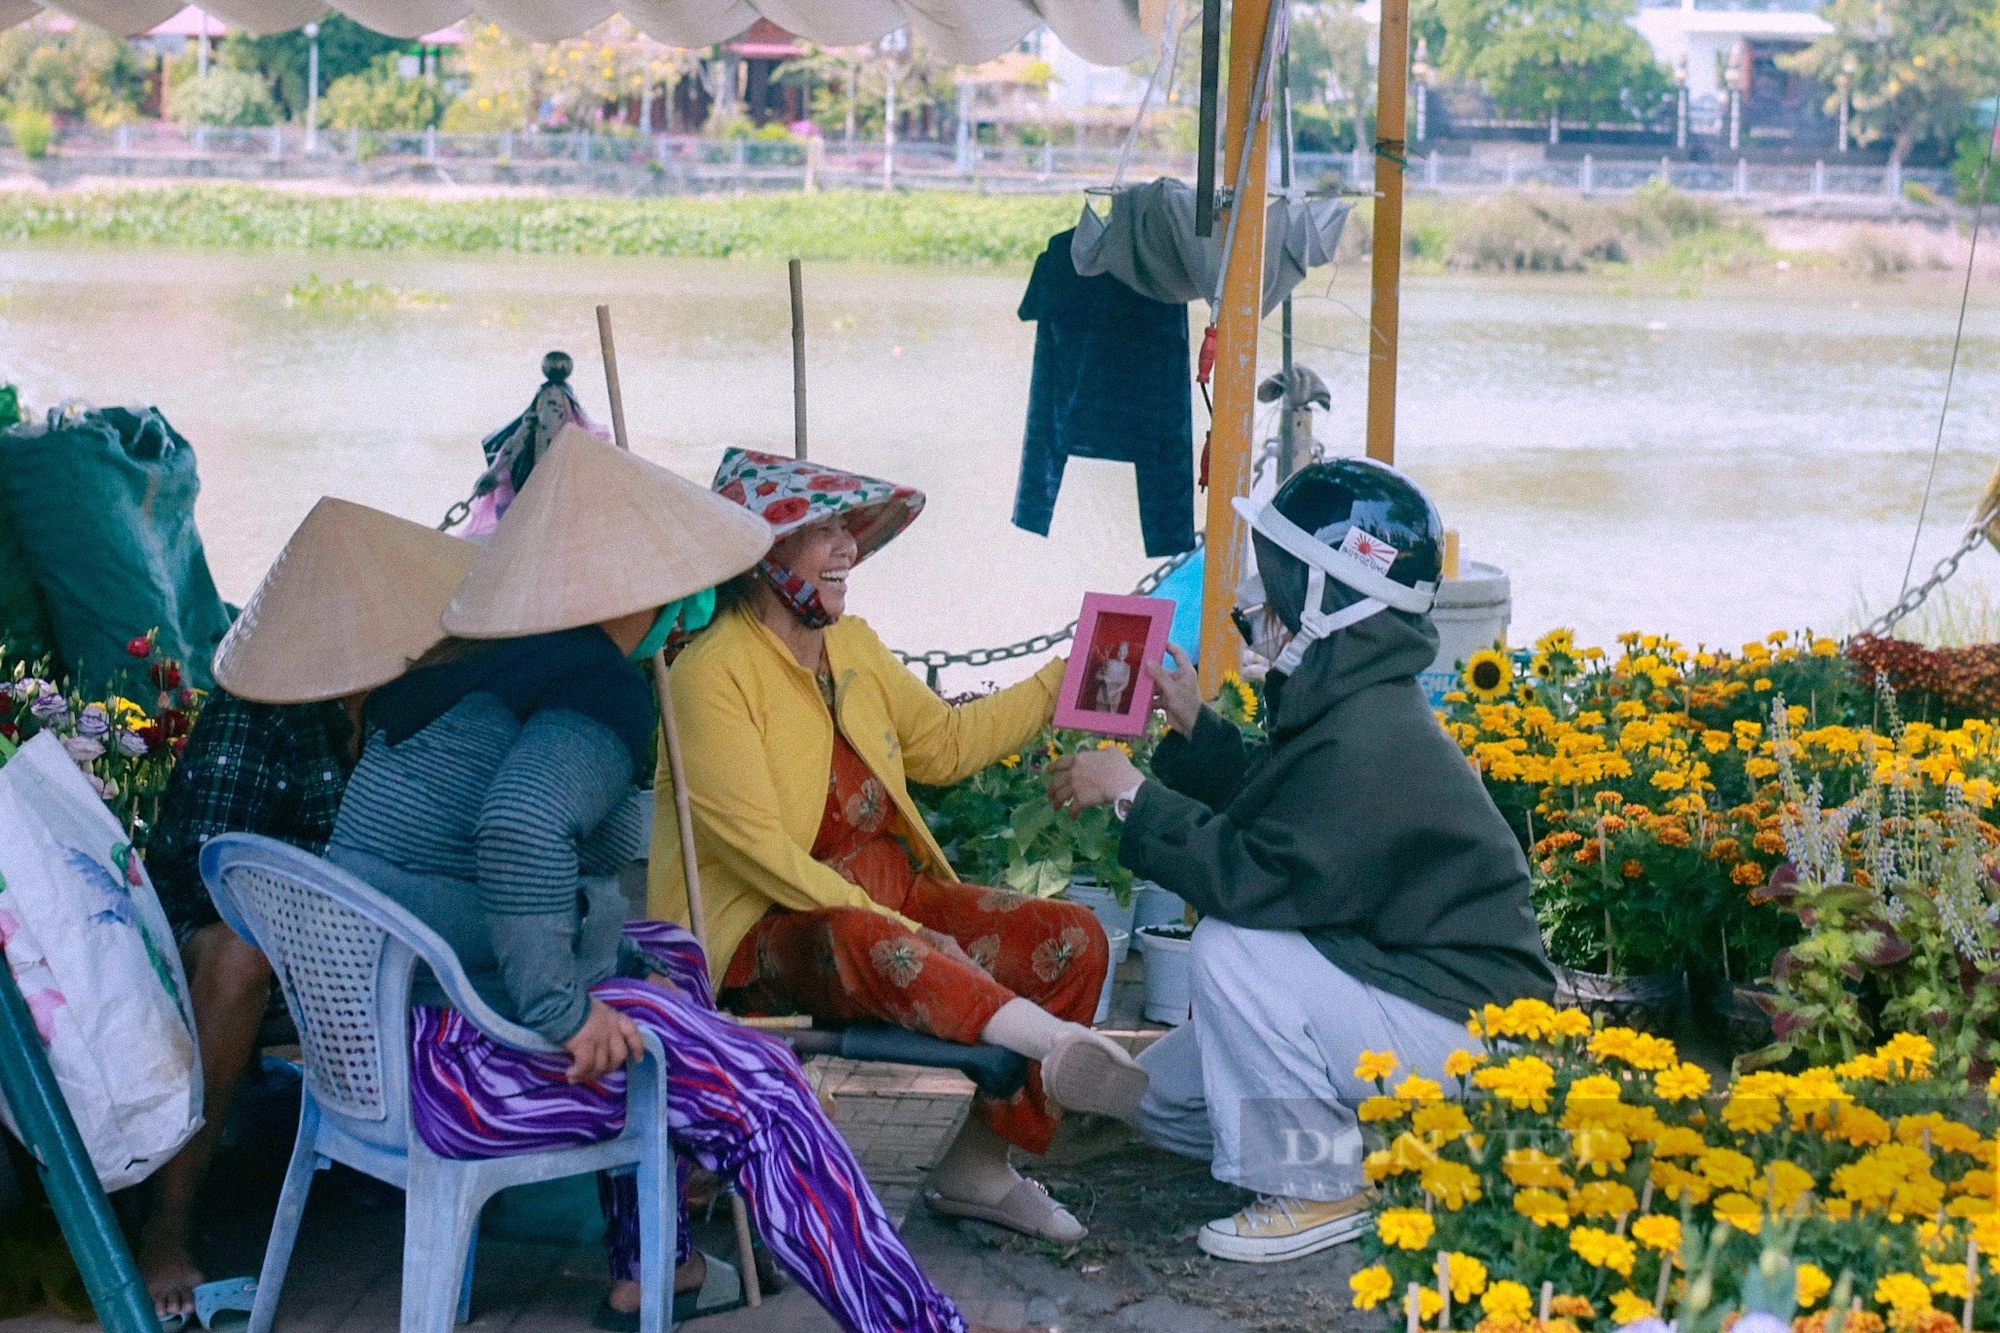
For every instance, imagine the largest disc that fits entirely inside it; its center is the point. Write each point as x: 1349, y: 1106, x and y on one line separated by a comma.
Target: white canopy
x: 1104, y: 32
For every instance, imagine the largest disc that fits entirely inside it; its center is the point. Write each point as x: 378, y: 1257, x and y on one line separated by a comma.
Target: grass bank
x: 1546, y: 231
x: 927, y: 228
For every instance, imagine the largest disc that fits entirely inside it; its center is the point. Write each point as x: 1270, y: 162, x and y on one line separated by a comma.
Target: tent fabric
x: 1148, y: 243
x: 1104, y: 32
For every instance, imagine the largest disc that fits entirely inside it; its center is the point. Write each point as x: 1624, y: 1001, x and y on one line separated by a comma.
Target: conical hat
x: 352, y: 599
x: 599, y: 533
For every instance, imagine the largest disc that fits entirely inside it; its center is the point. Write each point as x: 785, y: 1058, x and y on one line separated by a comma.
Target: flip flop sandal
x: 1090, y: 1074
x: 720, y: 1292
x: 1027, y: 1208
x: 237, y: 1294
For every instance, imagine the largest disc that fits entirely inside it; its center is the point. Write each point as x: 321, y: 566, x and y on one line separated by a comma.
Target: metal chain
x: 937, y: 659
x: 1914, y: 598
x: 455, y: 515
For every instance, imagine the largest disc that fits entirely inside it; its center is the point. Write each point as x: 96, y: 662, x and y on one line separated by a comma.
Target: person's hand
x: 1180, y: 689
x: 945, y: 945
x: 606, y: 1041
x: 1094, y: 777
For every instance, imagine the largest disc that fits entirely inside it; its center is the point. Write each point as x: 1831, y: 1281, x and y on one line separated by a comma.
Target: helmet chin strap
x: 1315, y: 624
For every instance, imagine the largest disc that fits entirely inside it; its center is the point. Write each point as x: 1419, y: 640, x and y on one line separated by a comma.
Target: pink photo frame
x: 1106, y: 688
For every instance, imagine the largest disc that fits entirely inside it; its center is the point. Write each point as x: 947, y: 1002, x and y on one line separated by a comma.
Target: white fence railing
x: 778, y: 163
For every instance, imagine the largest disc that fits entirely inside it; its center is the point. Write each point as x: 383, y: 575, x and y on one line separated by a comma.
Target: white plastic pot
x: 1154, y: 906
x: 1118, y: 946
x: 1472, y: 612
x: 1117, y: 921
x: 1169, y: 979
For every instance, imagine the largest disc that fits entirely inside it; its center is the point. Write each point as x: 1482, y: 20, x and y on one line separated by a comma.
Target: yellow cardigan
x: 758, y: 743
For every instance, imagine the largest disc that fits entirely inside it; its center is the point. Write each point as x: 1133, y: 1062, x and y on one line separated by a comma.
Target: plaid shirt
x: 274, y: 769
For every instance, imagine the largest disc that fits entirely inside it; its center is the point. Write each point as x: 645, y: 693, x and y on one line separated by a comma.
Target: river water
x: 1714, y: 463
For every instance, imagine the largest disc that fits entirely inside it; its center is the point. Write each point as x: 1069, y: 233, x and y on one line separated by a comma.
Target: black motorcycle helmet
x: 1327, y: 501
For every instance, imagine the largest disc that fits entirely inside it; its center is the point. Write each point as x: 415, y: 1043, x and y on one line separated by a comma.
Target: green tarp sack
x: 101, y: 506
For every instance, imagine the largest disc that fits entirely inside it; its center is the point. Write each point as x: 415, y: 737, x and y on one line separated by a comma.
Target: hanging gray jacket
x: 1358, y: 823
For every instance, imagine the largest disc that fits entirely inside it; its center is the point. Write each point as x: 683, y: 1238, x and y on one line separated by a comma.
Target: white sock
x: 1024, y: 1027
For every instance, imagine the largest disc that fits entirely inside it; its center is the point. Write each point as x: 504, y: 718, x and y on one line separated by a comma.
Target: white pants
x: 1261, y: 1083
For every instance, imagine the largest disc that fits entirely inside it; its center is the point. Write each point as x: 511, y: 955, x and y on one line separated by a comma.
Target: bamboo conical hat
x: 352, y: 599
x: 598, y: 533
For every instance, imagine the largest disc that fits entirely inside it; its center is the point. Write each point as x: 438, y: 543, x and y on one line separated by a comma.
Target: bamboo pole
x: 683, y: 816
x: 1385, y: 310
x: 798, y: 285
x: 1236, y: 337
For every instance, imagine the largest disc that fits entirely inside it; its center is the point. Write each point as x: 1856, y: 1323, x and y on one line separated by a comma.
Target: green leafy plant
x: 33, y: 129
x: 225, y: 97
x: 382, y: 99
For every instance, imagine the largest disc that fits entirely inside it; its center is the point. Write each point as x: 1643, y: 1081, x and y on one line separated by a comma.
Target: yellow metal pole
x: 1236, y: 344
x: 1385, y: 315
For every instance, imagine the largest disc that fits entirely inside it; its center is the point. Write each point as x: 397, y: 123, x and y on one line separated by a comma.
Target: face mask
x: 800, y: 597
x: 1263, y: 630
x: 689, y: 613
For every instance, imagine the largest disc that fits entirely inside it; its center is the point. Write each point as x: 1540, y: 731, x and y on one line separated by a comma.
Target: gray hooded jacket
x: 1358, y: 822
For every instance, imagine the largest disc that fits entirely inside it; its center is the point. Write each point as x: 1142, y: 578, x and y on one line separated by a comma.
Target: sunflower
x: 1489, y: 675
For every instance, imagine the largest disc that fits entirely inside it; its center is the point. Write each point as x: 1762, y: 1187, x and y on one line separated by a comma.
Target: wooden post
x: 1385, y: 313
x: 1236, y: 342
x: 683, y: 816
x: 798, y: 282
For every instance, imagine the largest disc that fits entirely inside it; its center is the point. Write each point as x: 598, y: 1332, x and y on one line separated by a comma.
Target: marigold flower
x: 1747, y: 874
x: 1418, y: 1089
x: 1508, y: 1300
x: 1656, y: 1231
x: 1531, y: 1168
x: 1602, y: 1150
x: 1678, y: 1184
x: 1947, y: 1279
x: 1377, y: 1109
x: 1429, y: 1304
x: 1751, y: 1114
x: 1452, y: 1184
x: 1905, y: 1293
x: 1860, y: 1127
x: 1679, y: 1141
x: 1572, y: 1307
x: 1523, y: 1082
x: 1605, y: 1198
x: 1601, y: 1249
x: 1740, y: 1211
x: 1466, y: 1274
x: 1378, y: 1166
x: 1543, y: 1208
x: 1371, y: 1286
x: 1438, y: 1121
x: 1785, y: 1183
x: 1813, y: 1285
x: 1628, y: 1307
x: 1681, y: 1082
x: 1408, y: 1228
x: 1725, y: 1168
x: 1461, y: 1063
x: 1374, y: 1066
x: 1571, y: 1023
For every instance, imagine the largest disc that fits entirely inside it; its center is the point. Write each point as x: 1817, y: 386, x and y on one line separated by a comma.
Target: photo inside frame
x: 1117, y: 648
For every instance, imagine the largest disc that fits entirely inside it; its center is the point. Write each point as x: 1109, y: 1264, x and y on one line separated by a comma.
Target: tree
x: 227, y: 97
x: 922, y: 80
x: 1548, y: 58
x: 282, y: 60
x: 1333, y: 78
x: 381, y: 99
x: 1912, y: 66
x: 81, y: 73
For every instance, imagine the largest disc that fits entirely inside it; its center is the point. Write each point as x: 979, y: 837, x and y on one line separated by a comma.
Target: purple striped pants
x: 737, y: 1104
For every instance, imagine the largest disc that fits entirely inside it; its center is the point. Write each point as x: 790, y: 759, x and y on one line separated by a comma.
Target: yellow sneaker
x: 1273, y: 1229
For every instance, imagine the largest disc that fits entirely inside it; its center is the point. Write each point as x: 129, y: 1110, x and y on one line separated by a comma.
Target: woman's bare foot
x: 169, y: 1270
x: 624, y: 1296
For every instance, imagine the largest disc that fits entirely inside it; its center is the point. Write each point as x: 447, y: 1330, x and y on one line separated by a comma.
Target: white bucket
x: 1119, y: 943
x: 1117, y: 921
x: 1154, y: 906
x: 1472, y: 612
x: 1169, y: 983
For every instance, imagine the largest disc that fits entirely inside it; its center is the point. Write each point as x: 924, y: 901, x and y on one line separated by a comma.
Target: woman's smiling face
x: 822, y: 554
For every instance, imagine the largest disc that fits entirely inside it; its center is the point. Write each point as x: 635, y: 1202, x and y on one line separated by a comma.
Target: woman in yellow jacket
x: 824, y: 891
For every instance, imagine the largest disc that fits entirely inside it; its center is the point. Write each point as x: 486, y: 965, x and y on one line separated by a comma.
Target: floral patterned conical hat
x: 790, y: 494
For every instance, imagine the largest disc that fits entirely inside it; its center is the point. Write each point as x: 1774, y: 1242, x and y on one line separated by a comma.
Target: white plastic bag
x: 95, y: 958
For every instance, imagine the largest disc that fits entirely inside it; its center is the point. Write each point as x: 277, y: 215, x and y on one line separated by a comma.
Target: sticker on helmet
x: 1369, y: 550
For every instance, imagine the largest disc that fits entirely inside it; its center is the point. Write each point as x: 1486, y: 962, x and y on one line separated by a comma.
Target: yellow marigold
x: 1451, y: 1184
x: 1614, y: 1043
x: 1677, y: 1184
x: 1438, y: 1121
x: 1429, y: 1304
x: 1543, y: 1208
x: 1601, y: 1249
x: 1725, y: 1168
x: 1785, y: 1183
x: 1860, y: 1127
x: 1378, y: 1167
x: 1418, y: 1089
x: 1596, y: 1087
x: 1571, y: 1023
x: 1466, y: 1274
x: 1522, y: 1082
x: 1461, y: 1063
x: 1371, y: 1286
x: 1409, y: 1228
x: 1751, y: 1114
x: 1602, y: 1150
x: 1681, y: 1082
x: 1947, y: 1279
x: 1628, y: 1307
x: 1947, y: 1135
x: 1605, y: 1198
x: 1909, y: 1055
x: 1567, y: 1306
x: 1528, y: 1019
x: 1377, y: 1109
x: 1903, y: 1292
x: 1508, y: 1300
x: 1760, y: 767
x: 1531, y: 1168
x: 1409, y: 1153
x: 1679, y: 1141
x: 1813, y: 1285
x: 1656, y: 1231
x: 1740, y: 1211
x: 1374, y: 1066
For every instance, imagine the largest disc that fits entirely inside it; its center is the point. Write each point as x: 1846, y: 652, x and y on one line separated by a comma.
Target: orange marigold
x: 1748, y: 874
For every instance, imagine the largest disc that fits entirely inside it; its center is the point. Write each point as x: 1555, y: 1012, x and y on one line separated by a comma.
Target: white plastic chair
x: 345, y: 955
